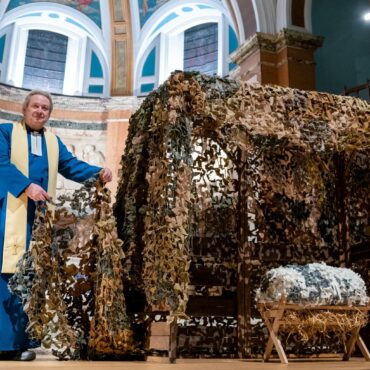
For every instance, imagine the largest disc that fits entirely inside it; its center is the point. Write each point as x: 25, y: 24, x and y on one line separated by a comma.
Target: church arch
x: 285, y: 16
x: 85, y: 39
x: 165, y: 30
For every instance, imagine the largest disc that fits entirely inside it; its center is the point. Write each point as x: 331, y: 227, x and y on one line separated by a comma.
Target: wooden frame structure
x: 273, y: 316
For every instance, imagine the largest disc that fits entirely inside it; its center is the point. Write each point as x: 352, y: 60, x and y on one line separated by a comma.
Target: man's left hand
x: 105, y: 175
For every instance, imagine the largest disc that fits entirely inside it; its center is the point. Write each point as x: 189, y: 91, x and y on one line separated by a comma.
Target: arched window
x: 293, y: 14
x: 186, y: 35
x: 201, y: 48
x: 54, y: 47
x: 45, y: 61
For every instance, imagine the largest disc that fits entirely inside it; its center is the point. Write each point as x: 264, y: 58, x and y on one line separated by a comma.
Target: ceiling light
x: 367, y: 15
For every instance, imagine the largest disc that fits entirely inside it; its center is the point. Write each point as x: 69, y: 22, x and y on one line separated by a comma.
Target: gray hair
x: 37, y: 92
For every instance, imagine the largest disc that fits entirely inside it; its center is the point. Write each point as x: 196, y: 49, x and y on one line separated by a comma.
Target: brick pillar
x: 117, y: 132
x: 285, y: 59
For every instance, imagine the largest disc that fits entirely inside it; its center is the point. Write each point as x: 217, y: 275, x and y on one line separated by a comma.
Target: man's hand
x: 105, y: 175
x: 36, y: 192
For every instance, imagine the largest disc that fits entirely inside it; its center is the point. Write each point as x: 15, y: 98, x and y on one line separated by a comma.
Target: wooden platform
x: 46, y: 362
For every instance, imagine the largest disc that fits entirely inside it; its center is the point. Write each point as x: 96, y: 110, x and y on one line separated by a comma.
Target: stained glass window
x: 45, y: 61
x: 201, y: 48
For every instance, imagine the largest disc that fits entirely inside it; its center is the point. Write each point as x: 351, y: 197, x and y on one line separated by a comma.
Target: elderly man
x: 30, y: 158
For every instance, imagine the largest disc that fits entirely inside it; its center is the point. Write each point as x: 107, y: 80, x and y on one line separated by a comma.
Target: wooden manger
x: 276, y: 318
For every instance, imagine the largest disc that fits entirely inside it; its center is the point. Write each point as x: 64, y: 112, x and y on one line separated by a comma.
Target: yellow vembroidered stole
x: 16, y: 213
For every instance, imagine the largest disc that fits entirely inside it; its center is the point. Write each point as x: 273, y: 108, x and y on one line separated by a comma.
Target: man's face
x: 37, y: 113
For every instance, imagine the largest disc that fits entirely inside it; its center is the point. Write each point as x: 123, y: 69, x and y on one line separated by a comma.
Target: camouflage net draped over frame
x: 295, y: 162
x: 70, y: 281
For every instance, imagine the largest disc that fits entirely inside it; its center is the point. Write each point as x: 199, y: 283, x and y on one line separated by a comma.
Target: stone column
x: 285, y: 59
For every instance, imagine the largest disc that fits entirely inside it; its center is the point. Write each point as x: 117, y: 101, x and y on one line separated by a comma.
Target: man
x: 30, y: 158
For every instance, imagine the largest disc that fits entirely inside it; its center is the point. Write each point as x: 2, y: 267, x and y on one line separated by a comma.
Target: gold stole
x: 15, y: 235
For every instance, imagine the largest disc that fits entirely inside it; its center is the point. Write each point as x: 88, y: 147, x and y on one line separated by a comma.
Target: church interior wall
x: 344, y: 59
x: 94, y: 129
x: 265, y: 61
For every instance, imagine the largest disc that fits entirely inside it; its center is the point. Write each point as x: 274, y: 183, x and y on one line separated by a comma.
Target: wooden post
x: 173, y: 341
x: 243, y: 284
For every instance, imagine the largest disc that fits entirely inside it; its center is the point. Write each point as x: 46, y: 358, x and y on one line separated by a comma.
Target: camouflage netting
x: 70, y: 281
x: 314, y: 284
x: 224, y: 180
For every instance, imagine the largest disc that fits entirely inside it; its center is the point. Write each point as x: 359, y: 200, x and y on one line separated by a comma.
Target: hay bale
x: 307, y: 323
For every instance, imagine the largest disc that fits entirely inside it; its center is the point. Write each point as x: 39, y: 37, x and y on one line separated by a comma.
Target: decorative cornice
x: 72, y: 112
x: 302, y: 40
x: 90, y: 126
x: 250, y: 46
x: 274, y: 43
x: 74, y: 103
